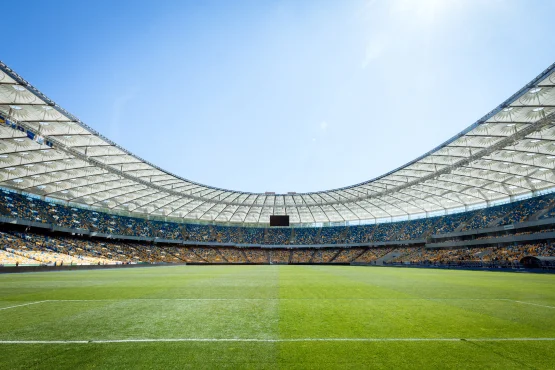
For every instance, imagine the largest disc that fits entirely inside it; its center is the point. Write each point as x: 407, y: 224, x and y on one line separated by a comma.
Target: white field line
x: 21, y: 305
x: 288, y: 299
x: 285, y: 340
x: 279, y: 299
x: 530, y: 303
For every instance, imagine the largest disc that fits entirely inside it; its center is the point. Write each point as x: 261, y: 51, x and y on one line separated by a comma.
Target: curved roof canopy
x: 49, y: 152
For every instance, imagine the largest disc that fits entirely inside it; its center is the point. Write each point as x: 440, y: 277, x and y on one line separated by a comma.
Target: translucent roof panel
x: 47, y: 151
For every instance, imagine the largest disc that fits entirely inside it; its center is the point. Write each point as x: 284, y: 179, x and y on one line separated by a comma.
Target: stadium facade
x: 483, y: 197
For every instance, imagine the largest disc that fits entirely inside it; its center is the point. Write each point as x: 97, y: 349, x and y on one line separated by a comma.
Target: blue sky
x: 347, y: 90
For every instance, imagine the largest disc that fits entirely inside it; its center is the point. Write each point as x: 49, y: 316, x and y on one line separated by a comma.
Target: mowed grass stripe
x: 197, y: 318
x: 442, y: 283
x: 168, y: 282
x: 68, y: 320
x: 407, y: 315
x: 292, y: 355
x: 473, y: 286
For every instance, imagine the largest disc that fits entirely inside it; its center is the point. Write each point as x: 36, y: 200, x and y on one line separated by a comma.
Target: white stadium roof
x: 47, y: 151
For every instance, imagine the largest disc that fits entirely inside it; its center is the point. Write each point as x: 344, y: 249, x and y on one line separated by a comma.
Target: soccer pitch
x: 272, y: 317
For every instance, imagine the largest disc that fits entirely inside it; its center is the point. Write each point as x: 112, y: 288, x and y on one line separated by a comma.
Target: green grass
x: 279, y: 307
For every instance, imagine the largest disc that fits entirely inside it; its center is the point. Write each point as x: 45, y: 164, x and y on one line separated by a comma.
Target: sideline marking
x: 279, y: 299
x: 21, y: 305
x: 101, y: 341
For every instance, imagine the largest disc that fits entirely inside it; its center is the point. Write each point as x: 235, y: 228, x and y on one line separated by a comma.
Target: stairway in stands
x: 218, y: 251
x: 431, y: 229
x: 213, y: 234
x: 484, y: 253
x: 536, y: 216
x: 388, y: 257
x: 335, y: 256
x: 317, y: 239
x: 497, y: 221
x: 343, y: 236
x: 464, y: 223
x: 5, y: 211
x: 241, y: 235
x: 245, y: 258
x: 292, y: 236
x: 266, y: 236
x: 183, y: 232
x: 370, y: 236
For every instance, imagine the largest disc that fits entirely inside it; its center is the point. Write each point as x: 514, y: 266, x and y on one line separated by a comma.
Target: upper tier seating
x: 15, y: 205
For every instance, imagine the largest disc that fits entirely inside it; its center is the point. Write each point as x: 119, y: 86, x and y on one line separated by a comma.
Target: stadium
x: 110, y: 261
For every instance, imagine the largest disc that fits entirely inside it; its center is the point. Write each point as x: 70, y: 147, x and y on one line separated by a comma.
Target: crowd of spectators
x: 11, y: 258
x: 450, y: 223
x: 24, y: 248
x: 501, y: 256
x: 333, y: 235
x: 233, y: 255
x: 324, y: 255
x: 548, y: 214
x: 522, y: 210
x: 304, y: 236
x: 257, y: 255
x: 209, y: 255
x: 253, y: 235
x: 386, y: 231
x: 373, y: 254
x: 515, y: 253
x: 187, y: 255
x: 301, y: 255
x: 44, y: 249
x: 20, y: 206
x: 359, y: 234
x: 486, y: 216
x: 199, y: 233
x: 347, y: 255
x: 227, y: 234
x: 154, y: 254
x: 41, y: 250
x: 416, y: 229
x: 279, y: 236
x: 280, y: 255
x: 510, y: 213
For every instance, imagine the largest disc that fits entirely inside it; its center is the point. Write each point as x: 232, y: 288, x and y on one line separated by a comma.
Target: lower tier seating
x: 27, y: 248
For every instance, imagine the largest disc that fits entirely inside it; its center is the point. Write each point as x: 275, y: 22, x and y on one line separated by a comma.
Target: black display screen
x: 279, y: 220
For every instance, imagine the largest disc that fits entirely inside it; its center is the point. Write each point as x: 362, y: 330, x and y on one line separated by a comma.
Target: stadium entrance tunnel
x: 537, y: 261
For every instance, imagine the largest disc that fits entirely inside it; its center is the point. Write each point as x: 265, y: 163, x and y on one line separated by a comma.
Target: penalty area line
x: 285, y: 340
x: 529, y: 303
x: 280, y: 299
x: 22, y: 305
